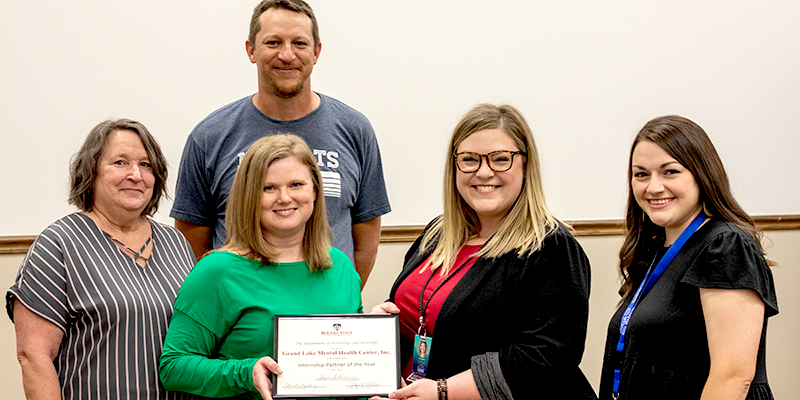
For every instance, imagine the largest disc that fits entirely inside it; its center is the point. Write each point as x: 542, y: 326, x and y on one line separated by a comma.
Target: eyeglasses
x: 498, y: 161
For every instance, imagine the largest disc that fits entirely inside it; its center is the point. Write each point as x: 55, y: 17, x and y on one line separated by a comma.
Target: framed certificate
x: 347, y: 355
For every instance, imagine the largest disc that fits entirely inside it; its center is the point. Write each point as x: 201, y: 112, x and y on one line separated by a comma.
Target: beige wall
x: 783, y: 348
x: 10, y: 376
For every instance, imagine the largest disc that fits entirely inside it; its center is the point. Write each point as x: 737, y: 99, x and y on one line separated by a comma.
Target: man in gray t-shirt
x: 284, y: 44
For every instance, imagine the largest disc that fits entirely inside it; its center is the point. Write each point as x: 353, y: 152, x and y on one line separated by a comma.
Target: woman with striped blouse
x: 93, y: 297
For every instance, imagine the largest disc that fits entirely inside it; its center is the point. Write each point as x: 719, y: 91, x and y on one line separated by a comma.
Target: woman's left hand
x: 422, y: 389
x: 385, y: 308
x: 264, y: 366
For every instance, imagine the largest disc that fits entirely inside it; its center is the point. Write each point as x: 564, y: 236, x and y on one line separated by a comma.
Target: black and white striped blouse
x: 114, y: 313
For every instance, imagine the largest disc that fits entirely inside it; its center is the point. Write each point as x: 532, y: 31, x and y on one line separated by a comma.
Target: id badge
x: 422, y: 351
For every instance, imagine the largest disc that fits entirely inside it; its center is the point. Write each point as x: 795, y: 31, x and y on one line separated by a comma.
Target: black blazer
x: 531, y: 310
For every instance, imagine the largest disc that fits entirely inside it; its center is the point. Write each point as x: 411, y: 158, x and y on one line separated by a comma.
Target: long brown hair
x: 687, y: 143
x: 243, y: 212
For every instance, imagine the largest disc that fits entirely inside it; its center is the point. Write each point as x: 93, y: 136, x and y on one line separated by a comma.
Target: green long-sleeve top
x: 223, y: 319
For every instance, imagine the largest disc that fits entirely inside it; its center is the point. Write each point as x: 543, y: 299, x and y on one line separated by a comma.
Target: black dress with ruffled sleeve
x: 666, y: 348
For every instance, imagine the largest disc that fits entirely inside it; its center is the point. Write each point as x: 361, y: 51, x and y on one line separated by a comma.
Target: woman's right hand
x: 264, y: 366
x: 385, y: 308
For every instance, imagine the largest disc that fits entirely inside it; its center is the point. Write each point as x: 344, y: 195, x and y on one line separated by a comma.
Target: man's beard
x: 291, y: 92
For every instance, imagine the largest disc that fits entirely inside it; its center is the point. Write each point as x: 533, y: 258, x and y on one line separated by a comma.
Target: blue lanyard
x: 649, y: 280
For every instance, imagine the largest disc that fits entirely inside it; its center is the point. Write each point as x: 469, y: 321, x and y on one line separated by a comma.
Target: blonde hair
x: 528, y: 222
x: 243, y: 212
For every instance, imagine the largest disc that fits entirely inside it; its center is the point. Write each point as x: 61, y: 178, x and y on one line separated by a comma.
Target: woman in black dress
x: 697, y: 326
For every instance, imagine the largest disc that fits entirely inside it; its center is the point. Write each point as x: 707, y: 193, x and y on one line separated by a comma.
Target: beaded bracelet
x: 441, y: 386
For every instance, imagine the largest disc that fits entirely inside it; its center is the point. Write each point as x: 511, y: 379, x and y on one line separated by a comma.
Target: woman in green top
x: 277, y: 259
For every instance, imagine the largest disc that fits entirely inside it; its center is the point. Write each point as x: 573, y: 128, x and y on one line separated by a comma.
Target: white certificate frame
x: 336, y: 355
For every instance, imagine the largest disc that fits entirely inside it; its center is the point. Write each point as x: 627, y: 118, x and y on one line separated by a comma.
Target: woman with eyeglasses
x: 496, y: 287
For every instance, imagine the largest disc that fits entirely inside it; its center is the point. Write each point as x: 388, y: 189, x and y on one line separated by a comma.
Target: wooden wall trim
x: 778, y: 222
x: 15, y: 244
x: 608, y: 227
x: 408, y: 233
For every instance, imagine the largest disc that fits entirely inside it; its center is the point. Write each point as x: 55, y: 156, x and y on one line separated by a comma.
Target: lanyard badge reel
x: 422, y: 350
x: 423, y: 342
x: 649, y: 280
